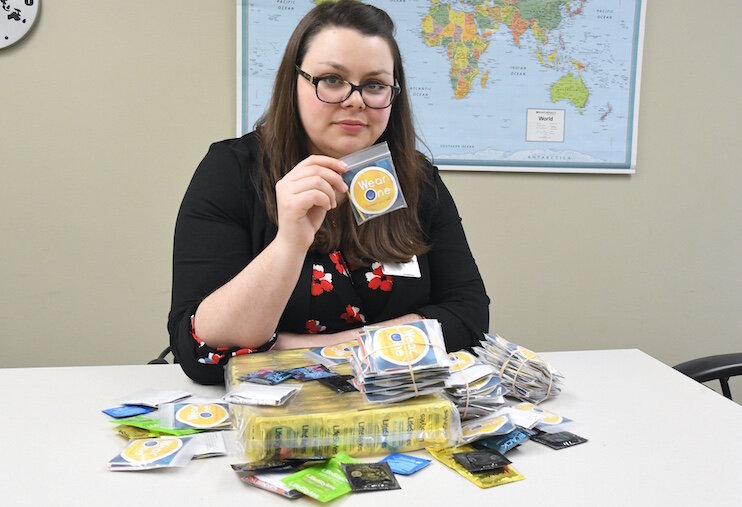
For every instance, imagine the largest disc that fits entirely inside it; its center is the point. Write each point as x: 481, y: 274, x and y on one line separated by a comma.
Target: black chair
x: 720, y: 368
x: 161, y: 358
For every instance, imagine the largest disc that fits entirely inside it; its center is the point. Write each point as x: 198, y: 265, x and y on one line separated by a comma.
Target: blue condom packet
x: 405, y: 464
x: 503, y: 443
x: 127, y: 411
x: 311, y: 372
x: 266, y: 376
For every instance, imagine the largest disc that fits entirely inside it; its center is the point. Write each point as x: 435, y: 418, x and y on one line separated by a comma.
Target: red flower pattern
x: 314, y: 326
x: 321, y: 281
x: 378, y: 280
x: 352, y: 314
x: 337, y: 258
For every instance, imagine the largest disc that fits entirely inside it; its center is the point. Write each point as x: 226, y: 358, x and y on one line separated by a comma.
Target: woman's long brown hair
x: 393, y: 237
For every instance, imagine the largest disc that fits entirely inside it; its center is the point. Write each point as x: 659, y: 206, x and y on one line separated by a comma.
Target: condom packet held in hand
x: 373, y: 186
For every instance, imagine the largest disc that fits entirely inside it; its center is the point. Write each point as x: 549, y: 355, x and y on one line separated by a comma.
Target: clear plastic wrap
x: 318, y: 421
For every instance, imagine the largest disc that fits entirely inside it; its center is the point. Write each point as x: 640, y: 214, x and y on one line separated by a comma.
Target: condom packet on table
x: 154, y: 425
x: 154, y: 397
x: 370, y: 477
x: 484, y: 479
x: 526, y: 375
x: 559, y: 440
x: 271, y: 481
x: 481, y: 460
x: 332, y: 355
x: 405, y: 464
x: 149, y: 453
x: 195, y: 414
x: 549, y: 421
x: 311, y: 372
x: 127, y: 411
x: 266, y: 376
x: 339, y: 383
x: 475, y: 429
x: 373, y: 186
x: 503, y: 443
x: 322, y: 482
x: 132, y: 432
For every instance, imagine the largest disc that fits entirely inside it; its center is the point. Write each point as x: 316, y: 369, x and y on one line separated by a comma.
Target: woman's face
x: 339, y: 129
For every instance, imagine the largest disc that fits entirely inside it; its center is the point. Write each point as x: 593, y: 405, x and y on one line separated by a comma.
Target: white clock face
x: 16, y: 19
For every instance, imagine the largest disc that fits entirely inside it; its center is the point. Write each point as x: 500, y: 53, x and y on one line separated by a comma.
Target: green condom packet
x: 322, y: 482
x: 149, y: 424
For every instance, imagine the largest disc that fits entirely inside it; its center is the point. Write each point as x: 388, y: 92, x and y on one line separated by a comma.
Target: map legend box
x: 545, y: 125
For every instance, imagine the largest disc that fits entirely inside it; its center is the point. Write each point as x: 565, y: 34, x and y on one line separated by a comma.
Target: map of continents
x: 501, y: 84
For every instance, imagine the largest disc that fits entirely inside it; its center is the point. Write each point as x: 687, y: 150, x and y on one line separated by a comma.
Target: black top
x: 222, y: 225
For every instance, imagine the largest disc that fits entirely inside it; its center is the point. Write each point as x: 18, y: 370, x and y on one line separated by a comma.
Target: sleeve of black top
x: 457, y: 297
x: 212, y: 245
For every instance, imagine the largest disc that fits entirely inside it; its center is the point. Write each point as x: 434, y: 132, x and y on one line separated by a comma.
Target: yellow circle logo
x: 480, y: 383
x: 484, y: 428
x: 338, y: 351
x: 548, y: 417
x: 202, y: 416
x: 149, y: 450
x: 401, y: 345
x: 461, y: 360
x: 373, y: 190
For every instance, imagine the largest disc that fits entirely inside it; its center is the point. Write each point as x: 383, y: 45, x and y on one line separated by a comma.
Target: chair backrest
x: 161, y: 358
x: 720, y: 367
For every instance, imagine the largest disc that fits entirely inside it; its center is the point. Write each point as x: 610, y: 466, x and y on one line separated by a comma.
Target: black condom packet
x: 559, y: 440
x: 340, y: 383
x: 502, y: 443
x: 255, y: 468
x: 370, y: 476
x: 483, y: 460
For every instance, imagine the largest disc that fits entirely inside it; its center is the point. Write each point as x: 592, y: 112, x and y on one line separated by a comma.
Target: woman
x: 267, y: 253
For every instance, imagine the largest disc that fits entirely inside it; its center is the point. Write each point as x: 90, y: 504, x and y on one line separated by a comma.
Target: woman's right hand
x: 305, y: 195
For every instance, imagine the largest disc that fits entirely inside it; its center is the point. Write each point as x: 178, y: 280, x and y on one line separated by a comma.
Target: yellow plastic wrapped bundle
x: 320, y: 422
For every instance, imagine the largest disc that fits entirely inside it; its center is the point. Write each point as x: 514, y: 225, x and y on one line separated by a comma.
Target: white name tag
x: 410, y: 269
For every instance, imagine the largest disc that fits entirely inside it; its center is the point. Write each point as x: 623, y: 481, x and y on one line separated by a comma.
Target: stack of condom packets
x: 526, y: 376
x: 394, y: 363
x: 473, y: 386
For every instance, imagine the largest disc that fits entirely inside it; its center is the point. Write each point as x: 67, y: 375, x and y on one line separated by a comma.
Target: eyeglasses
x: 333, y: 90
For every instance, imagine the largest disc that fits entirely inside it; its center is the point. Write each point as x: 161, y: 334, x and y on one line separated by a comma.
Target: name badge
x: 409, y: 269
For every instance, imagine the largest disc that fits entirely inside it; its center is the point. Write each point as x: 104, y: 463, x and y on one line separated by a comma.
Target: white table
x: 656, y: 438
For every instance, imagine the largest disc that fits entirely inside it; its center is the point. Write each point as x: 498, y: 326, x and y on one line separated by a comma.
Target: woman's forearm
x: 245, y: 311
x: 296, y: 341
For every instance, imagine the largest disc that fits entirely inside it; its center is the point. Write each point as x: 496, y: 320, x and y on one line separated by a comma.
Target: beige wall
x: 108, y: 106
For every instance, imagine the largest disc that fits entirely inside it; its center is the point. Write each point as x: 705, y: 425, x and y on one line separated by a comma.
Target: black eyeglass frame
x: 353, y: 87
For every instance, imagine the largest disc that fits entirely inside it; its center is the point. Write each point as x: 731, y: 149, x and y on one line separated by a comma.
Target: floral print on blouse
x: 340, y: 299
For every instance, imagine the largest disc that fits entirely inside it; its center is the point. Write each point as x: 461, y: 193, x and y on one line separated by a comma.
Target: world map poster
x: 503, y: 85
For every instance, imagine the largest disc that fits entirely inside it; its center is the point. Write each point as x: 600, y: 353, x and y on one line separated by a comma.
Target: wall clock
x: 16, y: 19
